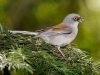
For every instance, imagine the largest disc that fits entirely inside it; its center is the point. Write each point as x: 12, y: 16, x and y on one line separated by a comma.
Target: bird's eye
x: 75, y: 18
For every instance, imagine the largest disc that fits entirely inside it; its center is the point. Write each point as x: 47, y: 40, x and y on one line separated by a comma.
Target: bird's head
x: 72, y: 19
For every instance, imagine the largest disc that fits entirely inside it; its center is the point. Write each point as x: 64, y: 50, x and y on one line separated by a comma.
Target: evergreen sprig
x: 27, y: 54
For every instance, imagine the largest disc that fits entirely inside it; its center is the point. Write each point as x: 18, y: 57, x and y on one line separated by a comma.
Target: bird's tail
x: 23, y: 32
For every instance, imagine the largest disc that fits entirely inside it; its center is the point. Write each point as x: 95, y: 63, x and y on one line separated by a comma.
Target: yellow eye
x: 75, y: 18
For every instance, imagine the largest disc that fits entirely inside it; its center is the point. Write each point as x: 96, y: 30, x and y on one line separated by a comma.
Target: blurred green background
x: 36, y: 14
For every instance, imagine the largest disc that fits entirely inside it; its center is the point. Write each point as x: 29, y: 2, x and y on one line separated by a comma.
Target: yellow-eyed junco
x: 58, y: 35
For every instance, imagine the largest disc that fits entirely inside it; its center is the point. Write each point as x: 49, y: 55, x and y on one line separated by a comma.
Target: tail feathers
x: 23, y: 32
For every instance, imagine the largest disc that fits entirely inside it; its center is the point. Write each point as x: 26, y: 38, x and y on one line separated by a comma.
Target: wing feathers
x: 49, y: 31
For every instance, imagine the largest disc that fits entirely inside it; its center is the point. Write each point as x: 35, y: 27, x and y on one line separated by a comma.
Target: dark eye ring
x: 75, y: 18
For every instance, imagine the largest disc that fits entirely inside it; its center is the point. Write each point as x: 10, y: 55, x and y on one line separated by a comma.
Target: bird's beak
x: 80, y: 19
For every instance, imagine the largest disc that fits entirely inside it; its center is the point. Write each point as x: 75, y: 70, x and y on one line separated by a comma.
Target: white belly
x: 60, y: 40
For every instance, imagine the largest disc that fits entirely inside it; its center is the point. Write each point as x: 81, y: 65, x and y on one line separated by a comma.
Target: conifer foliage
x: 35, y: 57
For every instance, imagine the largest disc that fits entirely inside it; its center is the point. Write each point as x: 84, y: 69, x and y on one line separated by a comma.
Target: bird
x: 58, y: 35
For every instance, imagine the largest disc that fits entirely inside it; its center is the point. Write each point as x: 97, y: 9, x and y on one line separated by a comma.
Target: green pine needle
x: 29, y: 55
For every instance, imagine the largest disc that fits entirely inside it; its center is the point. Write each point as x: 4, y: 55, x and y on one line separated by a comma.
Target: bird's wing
x: 55, y: 30
x: 49, y: 31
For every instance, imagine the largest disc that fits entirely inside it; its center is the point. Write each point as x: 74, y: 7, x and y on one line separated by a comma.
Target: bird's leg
x: 58, y: 47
